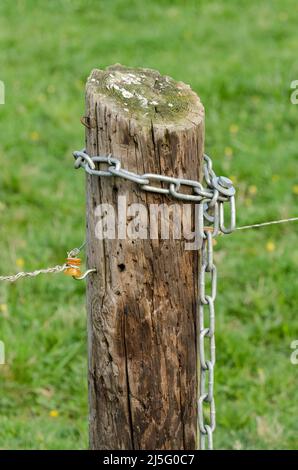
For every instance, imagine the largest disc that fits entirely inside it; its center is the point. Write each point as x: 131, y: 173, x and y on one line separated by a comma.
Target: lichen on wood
x: 144, y: 93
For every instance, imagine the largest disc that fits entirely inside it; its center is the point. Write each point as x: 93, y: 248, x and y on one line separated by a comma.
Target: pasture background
x: 241, y: 58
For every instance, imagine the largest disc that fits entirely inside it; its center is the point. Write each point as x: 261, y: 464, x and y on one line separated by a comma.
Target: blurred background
x: 240, y: 57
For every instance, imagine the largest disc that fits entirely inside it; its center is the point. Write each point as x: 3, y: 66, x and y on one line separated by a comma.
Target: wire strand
x: 264, y: 224
x: 76, y: 251
x: 52, y: 270
x: 16, y: 277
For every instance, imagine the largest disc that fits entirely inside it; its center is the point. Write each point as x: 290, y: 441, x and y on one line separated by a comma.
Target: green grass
x: 240, y: 57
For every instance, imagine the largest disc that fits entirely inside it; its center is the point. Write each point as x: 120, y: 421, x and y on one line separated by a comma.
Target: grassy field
x: 241, y: 58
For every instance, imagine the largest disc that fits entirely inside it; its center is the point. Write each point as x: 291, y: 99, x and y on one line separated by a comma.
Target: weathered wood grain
x: 141, y: 303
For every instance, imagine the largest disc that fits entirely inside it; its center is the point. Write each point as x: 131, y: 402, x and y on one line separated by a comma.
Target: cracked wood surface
x: 141, y: 302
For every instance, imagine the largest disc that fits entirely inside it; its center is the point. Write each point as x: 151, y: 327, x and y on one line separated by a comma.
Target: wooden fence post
x: 142, y: 301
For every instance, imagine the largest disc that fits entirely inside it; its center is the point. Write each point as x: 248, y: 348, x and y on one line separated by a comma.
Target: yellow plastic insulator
x: 73, y: 268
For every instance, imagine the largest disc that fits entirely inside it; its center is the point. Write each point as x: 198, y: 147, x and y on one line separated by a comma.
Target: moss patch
x: 144, y: 93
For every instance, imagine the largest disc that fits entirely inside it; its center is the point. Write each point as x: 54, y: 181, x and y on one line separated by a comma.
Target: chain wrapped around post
x: 211, y: 221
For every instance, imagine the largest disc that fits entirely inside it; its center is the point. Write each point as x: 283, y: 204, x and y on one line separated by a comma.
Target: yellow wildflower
x: 228, y: 152
x: 270, y: 247
x: 3, y: 308
x: 233, y: 178
x: 34, y: 136
x: 234, y: 128
x: 20, y: 262
x: 252, y: 190
x: 54, y: 413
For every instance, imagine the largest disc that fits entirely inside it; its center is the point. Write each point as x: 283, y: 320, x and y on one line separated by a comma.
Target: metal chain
x: 211, y: 200
x: 212, y: 219
x: 206, y: 334
x: 218, y: 188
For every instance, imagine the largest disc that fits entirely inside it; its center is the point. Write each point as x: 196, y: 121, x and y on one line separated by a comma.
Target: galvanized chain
x: 206, y: 334
x: 211, y: 222
x: 218, y: 188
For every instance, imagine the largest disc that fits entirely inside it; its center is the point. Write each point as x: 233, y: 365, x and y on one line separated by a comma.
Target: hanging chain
x: 211, y: 199
x: 206, y: 334
x: 212, y: 220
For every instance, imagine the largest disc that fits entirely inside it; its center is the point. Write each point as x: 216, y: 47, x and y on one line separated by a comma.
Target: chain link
x: 206, y: 334
x: 219, y: 191
x: 212, y: 219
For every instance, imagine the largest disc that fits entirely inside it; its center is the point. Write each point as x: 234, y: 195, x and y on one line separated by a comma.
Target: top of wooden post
x: 146, y: 96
